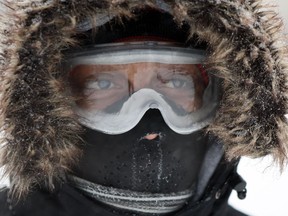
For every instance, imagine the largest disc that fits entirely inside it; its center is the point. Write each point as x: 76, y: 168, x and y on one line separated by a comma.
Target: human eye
x: 179, y: 82
x: 103, y: 81
x: 100, y: 84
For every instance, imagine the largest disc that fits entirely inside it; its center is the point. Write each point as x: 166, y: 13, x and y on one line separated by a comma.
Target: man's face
x: 157, y: 92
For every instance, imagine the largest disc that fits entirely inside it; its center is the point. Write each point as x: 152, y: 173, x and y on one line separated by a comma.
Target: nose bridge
x: 140, y: 76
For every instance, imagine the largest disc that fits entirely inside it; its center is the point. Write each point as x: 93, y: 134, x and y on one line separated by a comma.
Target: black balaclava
x: 168, y: 163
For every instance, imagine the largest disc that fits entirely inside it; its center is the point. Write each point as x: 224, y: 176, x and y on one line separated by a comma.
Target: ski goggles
x: 114, y: 85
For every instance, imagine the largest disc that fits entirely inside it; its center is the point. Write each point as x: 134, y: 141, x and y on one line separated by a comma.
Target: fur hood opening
x: 41, y: 138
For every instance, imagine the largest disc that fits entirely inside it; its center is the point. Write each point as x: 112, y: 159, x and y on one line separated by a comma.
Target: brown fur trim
x: 41, y: 134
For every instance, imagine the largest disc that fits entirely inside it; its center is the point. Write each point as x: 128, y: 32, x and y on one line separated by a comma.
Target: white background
x: 267, y: 189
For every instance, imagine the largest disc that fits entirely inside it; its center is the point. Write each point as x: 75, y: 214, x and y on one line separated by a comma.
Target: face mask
x: 169, y: 163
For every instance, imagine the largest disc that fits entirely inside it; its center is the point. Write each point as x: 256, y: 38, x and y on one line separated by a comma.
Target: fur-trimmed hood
x: 41, y: 135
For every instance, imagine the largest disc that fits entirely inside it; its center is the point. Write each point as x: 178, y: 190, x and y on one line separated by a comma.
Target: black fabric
x: 69, y: 202
x: 169, y: 163
x: 146, y: 23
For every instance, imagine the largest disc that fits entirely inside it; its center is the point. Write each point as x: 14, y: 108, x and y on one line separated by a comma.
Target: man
x: 137, y: 107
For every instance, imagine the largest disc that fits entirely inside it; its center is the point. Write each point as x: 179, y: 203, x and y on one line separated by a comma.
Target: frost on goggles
x: 114, y: 86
